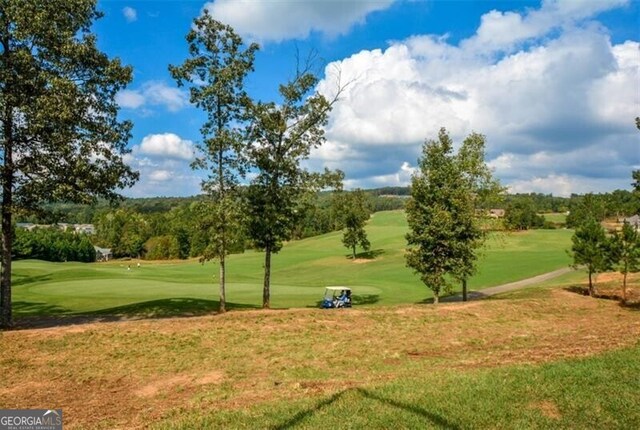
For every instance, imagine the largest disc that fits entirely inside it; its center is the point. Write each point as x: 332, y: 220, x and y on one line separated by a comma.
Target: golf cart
x: 337, y: 297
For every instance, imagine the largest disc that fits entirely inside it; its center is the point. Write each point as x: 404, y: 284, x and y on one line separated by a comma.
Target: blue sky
x: 554, y: 85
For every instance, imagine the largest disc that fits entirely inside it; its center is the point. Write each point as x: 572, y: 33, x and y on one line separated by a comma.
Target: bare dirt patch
x: 362, y: 260
x: 548, y: 409
x: 132, y: 373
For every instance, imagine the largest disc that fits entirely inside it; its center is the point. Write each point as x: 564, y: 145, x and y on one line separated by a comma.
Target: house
x: 496, y: 213
x: 85, y: 228
x: 103, y: 254
x: 26, y: 225
x: 633, y: 221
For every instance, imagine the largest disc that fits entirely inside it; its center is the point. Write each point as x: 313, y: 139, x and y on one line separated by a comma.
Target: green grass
x: 597, y: 392
x: 299, y: 274
x: 556, y: 217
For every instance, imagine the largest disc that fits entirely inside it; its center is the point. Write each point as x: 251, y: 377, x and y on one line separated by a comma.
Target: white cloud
x: 130, y: 14
x: 292, y: 19
x: 160, y: 175
x: 153, y: 93
x: 163, y: 161
x: 555, y: 98
x: 167, y: 145
x: 130, y: 99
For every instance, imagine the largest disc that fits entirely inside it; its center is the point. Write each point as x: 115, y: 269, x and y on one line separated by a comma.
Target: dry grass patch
x: 129, y: 374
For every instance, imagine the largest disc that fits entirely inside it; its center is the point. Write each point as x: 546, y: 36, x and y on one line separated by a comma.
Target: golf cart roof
x: 338, y: 288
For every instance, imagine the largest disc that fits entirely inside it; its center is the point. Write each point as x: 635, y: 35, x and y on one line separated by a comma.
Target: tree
x: 625, y: 253
x: 590, y: 249
x: 283, y: 135
x: 484, y: 191
x: 215, y: 73
x: 60, y: 135
x: 442, y: 234
x: 353, y: 210
x: 521, y: 215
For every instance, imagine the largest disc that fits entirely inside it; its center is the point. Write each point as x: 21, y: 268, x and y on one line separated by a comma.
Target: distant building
x: 633, y: 221
x: 85, y: 228
x: 103, y: 254
x: 78, y: 228
x: 26, y: 225
x: 496, y: 213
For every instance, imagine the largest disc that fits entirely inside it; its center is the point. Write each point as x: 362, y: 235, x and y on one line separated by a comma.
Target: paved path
x: 491, y: 291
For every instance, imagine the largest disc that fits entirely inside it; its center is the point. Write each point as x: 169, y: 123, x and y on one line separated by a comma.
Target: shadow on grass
x: 33, y: 309
x: 632, y: 306
x: 365, y: 299
x: 368, y: 255
x: 434, y: 418
x: 43, y: 315
x: 453, y: 298
x: 29, y: 280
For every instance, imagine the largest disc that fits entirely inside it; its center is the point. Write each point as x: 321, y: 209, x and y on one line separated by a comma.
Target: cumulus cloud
x: 290, y: 19
x: 167, y: 145
x: 555, y: 98
x: 163, y: 161
x: 153, y: 93
x: 130, y: 14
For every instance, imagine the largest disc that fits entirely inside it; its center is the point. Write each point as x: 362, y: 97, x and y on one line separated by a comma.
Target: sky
x: 553, y: 85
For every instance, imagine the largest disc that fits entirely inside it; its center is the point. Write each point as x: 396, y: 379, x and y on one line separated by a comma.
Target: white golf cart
x: 336, y: 297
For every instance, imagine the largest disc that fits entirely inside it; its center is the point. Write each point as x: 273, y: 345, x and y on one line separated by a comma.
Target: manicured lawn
x: 557, y: 217
x: 300, y: 273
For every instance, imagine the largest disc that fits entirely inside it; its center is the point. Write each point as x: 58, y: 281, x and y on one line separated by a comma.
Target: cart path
x: 504, y: 288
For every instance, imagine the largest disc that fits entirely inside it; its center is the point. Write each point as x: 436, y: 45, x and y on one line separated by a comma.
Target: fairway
x: 300, y: 273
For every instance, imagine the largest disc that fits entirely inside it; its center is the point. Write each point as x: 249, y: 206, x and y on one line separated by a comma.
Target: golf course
x: 300, y: 272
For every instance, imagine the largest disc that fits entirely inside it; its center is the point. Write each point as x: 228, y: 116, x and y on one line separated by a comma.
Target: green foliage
x: 586, y: 207
x: 216, y: 71
x: 283, y: 136
x: 162, y: 248
x: 60, y: 136
x: 521, y: 215
x: 52, y: 244
x: 590, y: 249
x: 124, y: 231
x: 353, y: 212
x: 625, y: 253
x: 444, y: 230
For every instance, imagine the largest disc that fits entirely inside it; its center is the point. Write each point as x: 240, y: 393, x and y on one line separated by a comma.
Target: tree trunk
x: 436, y: 298
x: 266, y: 292
x: 223, y: 298
x: 354, y: 252
x: 6, y: 320
x: 624, y: 287
x: 590, y: 285
x: 464, y: 290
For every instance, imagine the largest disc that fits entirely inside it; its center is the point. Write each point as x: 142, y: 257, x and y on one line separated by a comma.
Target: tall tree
x: 484, y: 191
x: 446, y: 192
x: 590, y: 249
x: 283, y: 136
x: 353, y: 211
x: 625, y: 253
x: 60, y: 135
x: 215, y: 72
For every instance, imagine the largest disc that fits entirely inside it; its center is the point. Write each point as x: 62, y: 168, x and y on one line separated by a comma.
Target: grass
x: 556, y: 217
x: 300, y: 273
x: 598, y: 392
x: 560, y: 360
